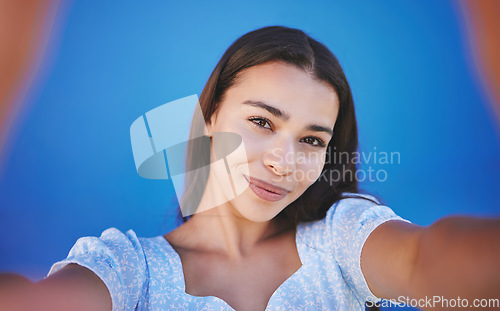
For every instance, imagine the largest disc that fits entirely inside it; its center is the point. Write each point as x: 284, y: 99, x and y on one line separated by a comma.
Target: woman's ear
x: 207, y: 131
x: 208, y: 126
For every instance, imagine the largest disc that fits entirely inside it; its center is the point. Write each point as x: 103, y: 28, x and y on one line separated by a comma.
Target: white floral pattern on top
x: 146, y: 273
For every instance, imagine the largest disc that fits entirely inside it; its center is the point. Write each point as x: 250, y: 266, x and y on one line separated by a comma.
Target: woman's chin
x: 258, y: 213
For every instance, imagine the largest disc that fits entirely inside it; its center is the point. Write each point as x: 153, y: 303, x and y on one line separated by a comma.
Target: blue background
x: 71, y: 172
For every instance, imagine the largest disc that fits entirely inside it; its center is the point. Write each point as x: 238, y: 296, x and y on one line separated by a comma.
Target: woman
x: 293, y: 238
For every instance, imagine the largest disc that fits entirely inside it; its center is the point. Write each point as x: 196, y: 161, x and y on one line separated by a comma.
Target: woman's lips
x: 266, y: 191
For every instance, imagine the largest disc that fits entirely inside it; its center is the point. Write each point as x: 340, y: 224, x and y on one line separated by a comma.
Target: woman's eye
x: 261, y: 122
x: 313, y: 141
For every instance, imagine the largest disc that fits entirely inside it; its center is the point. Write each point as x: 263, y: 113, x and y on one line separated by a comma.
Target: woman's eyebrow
x: 282, y: 115
x: 319, y: 128
x: 272, y: 110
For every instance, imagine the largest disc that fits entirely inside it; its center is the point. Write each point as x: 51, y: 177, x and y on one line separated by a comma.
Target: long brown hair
x: 293, y: 47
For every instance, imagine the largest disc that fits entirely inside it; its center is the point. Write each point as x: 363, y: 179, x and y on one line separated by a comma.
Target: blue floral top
x: 146, y: 273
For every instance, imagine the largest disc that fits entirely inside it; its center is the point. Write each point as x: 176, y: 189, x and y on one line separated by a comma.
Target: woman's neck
x: 222, y: 229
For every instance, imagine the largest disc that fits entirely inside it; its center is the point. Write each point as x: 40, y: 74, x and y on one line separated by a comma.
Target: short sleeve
x: 352, y: 221
x: 117, y: 259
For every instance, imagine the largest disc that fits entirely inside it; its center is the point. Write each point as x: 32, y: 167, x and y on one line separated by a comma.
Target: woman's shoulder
x: 351, y: 218
x: 115, y: 248
x: 358, y: 207
x: 123, y: 261
x: 349, y: 199
x: 116, y: 240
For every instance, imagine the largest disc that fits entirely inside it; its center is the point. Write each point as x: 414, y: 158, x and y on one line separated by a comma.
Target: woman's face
x: 285, y: 118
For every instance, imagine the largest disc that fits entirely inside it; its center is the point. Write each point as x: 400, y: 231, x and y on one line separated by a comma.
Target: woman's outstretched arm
x: 454, y: 258
x: 72, y: 288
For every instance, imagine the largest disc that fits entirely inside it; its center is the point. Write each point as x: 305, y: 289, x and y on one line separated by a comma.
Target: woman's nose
x: 281, y: 158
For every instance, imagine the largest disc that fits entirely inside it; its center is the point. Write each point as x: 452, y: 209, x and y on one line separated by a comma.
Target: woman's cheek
x: 312, y: 170
x: 255, y: 145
